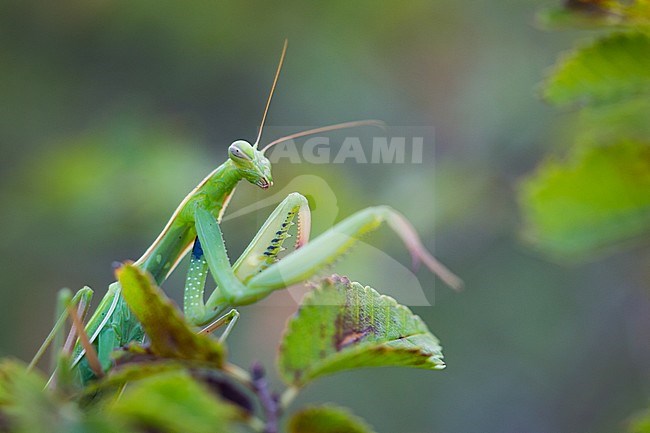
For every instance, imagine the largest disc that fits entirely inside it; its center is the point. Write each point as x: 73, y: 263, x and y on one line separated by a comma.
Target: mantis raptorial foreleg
x: 302, y: 264
x: 209, y: 252
x: 257, y: 273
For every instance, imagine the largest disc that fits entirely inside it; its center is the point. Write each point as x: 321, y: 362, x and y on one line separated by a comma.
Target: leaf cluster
x: 596, y: 197
x: 181, y: 380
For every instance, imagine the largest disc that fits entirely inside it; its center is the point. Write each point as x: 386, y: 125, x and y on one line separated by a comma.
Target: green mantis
x: 258, y: 271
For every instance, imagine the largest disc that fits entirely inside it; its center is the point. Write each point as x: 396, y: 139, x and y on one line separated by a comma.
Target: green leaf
x: 23, y: 404
x: 27, y: 405
x: 596, y: 14
x: 561, y: 17
x: 627, y: 120
x: 342, y: 325
x: 640, y: 423
x: 327, y: 419
x: 132, y: 370
x: 174, y: 403
x: 597, y: 200
x: 612, y: 68
x: 170, y: 335
x: 15, y: 376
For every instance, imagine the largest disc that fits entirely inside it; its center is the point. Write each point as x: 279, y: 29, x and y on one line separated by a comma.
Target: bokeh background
x: 111, y: 111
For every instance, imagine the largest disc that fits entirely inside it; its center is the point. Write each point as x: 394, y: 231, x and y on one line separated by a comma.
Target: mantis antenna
x: 335, y: 127
x: 310, y: 131
x: 268, y: 101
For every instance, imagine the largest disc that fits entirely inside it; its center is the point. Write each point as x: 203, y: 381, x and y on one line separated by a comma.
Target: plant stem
x: 239, y: 374
x: 256, y: 424
x: 288, y: 396
x: 267, y: 399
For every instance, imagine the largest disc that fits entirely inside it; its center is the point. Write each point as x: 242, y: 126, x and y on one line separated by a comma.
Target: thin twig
x: 91, y: 354
x: 82, y: 309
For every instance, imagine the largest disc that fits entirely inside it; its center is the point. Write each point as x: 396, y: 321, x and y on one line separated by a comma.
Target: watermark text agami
x: 375, y: 150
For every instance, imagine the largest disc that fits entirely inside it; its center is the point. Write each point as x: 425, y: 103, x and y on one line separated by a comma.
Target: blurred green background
x: 111, y: 111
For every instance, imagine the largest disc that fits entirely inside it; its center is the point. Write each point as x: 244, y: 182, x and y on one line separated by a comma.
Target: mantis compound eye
x: 239, y: 150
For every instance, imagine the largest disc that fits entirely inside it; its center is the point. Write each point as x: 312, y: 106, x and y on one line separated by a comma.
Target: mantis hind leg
x: 82, y: 300
x: 322, y: 251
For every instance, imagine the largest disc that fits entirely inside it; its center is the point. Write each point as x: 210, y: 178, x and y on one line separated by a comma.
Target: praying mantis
x: 195, y: 227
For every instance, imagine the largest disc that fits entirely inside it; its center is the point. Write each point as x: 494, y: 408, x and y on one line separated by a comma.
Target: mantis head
x: 251, y: 163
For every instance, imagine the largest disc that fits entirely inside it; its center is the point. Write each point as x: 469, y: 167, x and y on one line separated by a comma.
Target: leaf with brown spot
x: 343, y: 325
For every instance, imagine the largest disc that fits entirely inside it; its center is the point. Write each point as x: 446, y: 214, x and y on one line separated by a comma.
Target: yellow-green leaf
x: 593, y: 16
x: 327, y: 419
x: 628, y: 120
x: 611, y: 68
x: 173, y: 403
x: 170, y: 335
x: 640, y: 423
x: 596, y: 14
x: 27, y: 405
x: 342, y: 325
